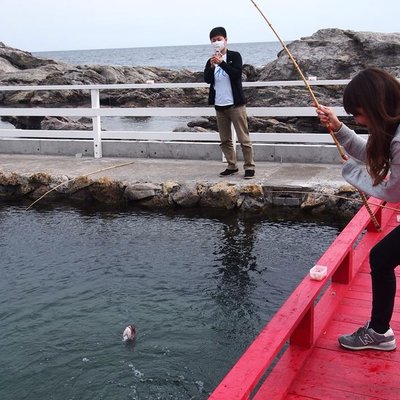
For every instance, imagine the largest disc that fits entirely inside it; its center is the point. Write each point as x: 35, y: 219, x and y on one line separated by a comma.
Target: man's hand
x: 216, y: 59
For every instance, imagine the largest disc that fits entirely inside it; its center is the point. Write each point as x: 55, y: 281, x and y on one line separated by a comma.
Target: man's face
x: 219, y: 43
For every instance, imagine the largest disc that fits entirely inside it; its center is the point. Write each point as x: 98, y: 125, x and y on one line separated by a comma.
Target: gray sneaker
x: 367, y: 338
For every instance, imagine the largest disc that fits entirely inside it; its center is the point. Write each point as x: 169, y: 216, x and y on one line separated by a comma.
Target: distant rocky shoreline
x: 327, y: 54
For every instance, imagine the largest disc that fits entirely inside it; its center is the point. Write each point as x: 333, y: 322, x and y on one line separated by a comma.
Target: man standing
x: 223, y: 72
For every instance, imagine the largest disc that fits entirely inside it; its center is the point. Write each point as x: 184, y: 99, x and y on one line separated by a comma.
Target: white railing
x: 96, y: 113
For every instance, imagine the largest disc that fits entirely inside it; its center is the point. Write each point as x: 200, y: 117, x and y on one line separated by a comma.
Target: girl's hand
x: 328, y: 117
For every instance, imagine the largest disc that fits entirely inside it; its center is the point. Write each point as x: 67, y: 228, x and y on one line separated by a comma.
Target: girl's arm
x: 354, y: 145
x: 389, y: 190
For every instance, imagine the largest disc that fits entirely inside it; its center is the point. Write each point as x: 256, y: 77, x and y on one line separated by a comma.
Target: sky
x: 51, y: 25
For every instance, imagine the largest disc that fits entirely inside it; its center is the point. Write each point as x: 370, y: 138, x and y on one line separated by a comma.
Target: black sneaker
x: 229, y: 172
x: 249, y: 173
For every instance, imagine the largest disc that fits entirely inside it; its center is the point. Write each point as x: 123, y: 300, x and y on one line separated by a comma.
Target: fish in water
x: 129, y: 333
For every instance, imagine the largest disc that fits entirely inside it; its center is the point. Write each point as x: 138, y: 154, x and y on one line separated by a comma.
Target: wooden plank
x: 358, y: 374
x: 323, y: 393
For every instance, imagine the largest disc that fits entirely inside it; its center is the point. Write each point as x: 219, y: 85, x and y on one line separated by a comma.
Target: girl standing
x: 373, y: 98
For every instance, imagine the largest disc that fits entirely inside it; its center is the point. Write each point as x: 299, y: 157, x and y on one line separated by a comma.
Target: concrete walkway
x: 312, y: 176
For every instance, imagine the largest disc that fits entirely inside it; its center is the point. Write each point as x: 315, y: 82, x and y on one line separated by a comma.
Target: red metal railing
x: 300, y: 320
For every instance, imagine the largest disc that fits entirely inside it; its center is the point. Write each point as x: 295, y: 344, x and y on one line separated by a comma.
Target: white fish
x: 129, y: 333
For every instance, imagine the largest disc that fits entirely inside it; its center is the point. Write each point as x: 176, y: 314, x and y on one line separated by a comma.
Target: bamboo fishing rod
x: 74, y: 179
x: 316, y: 104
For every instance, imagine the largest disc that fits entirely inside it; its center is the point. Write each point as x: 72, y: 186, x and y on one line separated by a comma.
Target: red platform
x: 297, y: 355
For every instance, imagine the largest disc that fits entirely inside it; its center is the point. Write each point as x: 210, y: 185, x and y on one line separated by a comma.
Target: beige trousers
x: 238, y: 117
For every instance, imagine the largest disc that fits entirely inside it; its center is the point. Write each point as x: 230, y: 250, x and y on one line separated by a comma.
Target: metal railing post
x: 95, y: 99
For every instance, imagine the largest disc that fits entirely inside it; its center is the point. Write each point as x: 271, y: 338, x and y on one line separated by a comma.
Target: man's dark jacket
x: 233, y: 67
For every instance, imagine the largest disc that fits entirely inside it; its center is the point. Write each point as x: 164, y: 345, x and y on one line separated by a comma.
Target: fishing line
x: 316, y: 104
x: 313, y: 193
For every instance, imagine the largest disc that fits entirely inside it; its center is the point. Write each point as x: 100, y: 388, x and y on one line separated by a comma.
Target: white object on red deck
x: 318, y: 272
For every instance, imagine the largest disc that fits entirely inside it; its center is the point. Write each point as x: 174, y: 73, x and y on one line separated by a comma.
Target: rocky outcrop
x: 327, y: 54
x: 336, y: 54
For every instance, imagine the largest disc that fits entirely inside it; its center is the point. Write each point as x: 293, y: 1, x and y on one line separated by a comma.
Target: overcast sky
x: 45, y: 25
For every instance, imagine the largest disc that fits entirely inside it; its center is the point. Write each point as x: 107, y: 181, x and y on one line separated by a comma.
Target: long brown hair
x: 377, y: 94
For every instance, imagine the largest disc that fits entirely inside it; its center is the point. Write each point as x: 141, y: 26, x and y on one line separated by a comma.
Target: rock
x: 41, y: 178
x: 6, y: 66
x: 186, y: 196
x: 184, y: 129
x: 13, y: 185
x: 44, y: 190
x: 169, y: 187
x: 251, y: 198
x: 21, y: 59
x: 313, y: 201
x: 140, y: 191
x: 252, y: 190
x: 207, y: 123
x: 24, y: 122
x: 336, y: 54
x: 258, y: 124
x: 251, y: 205
x: 83, y: 196
x: 107, y: 191
x: 63, y: 123
x: 79, y: 183
x: 222, y: 195
x: 250, y: 73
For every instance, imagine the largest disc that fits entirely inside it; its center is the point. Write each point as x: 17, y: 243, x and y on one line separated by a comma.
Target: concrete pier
x: 169, y: 183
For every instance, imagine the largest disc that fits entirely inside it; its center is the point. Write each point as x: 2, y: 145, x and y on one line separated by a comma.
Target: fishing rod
x: 74, y: 179
x: 316, y: 104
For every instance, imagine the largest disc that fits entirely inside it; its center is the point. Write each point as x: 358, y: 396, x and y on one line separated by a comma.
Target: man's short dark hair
x: 218, y: 31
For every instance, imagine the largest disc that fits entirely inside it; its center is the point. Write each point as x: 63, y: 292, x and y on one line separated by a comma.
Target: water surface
x: 198, y: 288
x: 172, y: 57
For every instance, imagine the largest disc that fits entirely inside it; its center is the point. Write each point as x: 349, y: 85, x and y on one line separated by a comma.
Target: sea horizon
x: 192, y: 57
x: 150, y: 47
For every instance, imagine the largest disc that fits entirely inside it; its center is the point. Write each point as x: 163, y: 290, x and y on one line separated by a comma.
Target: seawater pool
x: 198, y: 287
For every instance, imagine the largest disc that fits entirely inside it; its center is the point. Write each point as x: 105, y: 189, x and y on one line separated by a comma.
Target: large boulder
x: 336, y: 54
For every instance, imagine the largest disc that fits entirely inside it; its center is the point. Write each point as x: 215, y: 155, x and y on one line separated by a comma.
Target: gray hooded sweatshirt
x: 355, y: 172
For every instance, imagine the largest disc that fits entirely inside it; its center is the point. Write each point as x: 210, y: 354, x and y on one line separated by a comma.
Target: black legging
x: 384, y: 258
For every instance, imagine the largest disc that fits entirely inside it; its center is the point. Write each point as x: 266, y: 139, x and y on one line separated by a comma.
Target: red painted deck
x: 306, y: 328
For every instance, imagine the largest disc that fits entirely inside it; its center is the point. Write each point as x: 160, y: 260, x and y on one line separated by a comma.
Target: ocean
x: 172, y: 57
x: 198, y: 287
